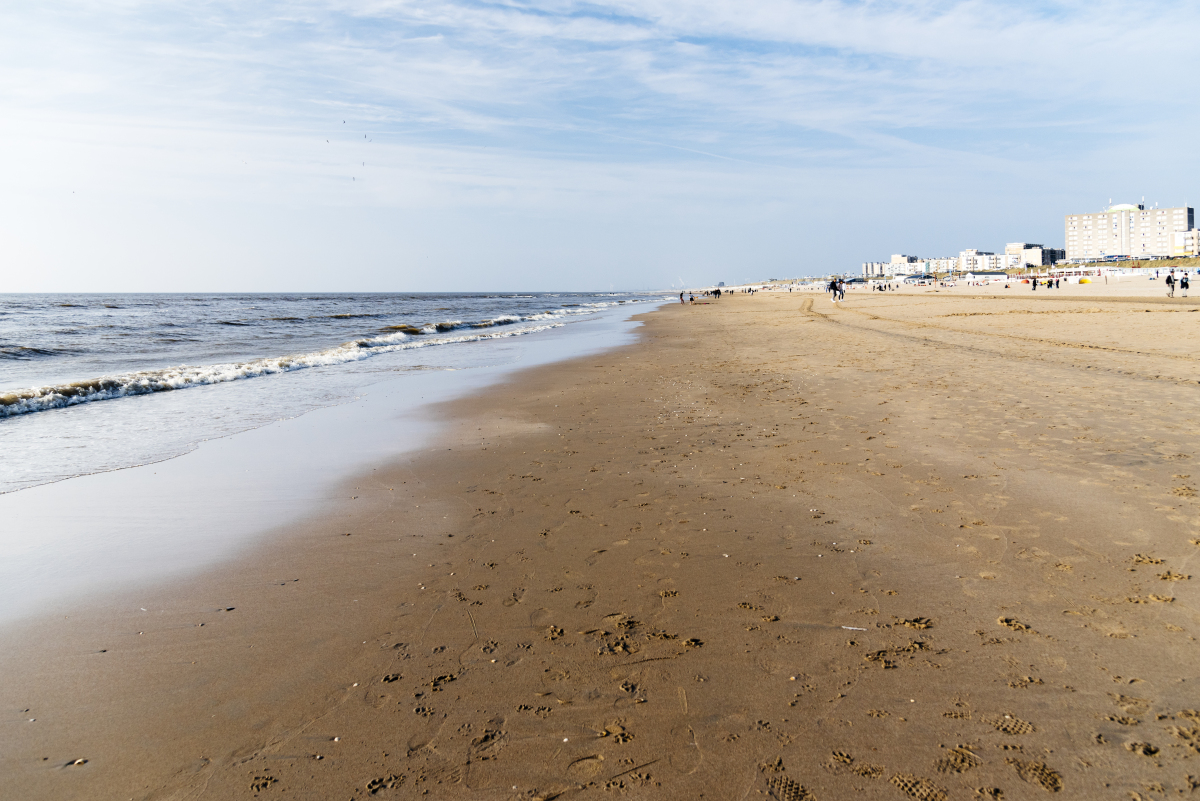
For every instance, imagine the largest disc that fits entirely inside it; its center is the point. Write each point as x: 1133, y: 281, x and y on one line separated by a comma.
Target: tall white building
x: 1126, y: 230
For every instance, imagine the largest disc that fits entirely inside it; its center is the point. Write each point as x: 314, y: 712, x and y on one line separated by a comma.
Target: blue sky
x: 446, y: 145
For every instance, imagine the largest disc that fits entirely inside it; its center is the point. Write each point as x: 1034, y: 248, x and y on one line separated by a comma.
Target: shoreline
x: 735, y: 557
x: 141, y: 524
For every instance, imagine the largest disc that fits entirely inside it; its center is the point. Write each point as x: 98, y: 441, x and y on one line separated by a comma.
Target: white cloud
x: 584, y: 111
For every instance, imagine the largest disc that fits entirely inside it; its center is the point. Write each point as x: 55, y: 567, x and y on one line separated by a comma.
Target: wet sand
x: 927, y: 546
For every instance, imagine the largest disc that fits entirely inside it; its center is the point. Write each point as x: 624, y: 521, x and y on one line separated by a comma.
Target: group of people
x: 1182, y: 282
x: 712, y: 293
x: 837, y: 287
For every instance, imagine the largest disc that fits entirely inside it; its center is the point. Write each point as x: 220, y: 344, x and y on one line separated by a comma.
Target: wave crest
x: 59, y: 396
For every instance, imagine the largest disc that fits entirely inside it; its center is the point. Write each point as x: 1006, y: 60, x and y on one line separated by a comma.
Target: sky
x: 453, y: 145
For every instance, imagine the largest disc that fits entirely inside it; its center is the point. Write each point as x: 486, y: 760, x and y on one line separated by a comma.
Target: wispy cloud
x: 516, y: 105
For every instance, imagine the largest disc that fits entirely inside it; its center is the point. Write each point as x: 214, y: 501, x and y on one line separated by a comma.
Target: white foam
x: 39, y: 399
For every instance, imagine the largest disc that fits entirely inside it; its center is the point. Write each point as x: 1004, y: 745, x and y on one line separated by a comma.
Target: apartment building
x: 1034, y: 255
x: 982, y: 261
x: 1126, y: 230
x: 942, y: 264
x: 899, y: 265
x: 1185, y: 243
x: 964, y: 261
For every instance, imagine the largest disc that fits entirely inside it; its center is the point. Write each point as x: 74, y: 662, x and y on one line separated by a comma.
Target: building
x: 1034, y: 255
x: 966, y: 261
x: 985, y: 276
x: 899, y: 265
x: 944, y: 264
x: 908, y: 265
x: 981, y: 261
x: 1185, y: 243
x: 1126, y: 230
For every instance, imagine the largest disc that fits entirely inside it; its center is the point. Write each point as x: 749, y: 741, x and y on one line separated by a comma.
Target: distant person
x: 681, y: 297
x: 1183, y: 283
x: 1171, y: 284
x: 1035, y: 284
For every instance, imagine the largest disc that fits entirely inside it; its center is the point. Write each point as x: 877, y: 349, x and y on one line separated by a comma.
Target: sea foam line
x: 59, y: 396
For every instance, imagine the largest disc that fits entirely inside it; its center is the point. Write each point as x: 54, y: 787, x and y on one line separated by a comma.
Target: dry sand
x: 920, y: 545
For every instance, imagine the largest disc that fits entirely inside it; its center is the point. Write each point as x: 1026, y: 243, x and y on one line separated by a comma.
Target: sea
x: 147, y: 438
x: 93, y: 383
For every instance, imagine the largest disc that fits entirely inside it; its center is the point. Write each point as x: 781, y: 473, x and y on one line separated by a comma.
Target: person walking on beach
x: 1035, y: 284
x: 1171, y: 284
x: 1183, y: 283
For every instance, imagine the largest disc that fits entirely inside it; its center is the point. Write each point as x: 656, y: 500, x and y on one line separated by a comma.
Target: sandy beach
x: 929, y: 545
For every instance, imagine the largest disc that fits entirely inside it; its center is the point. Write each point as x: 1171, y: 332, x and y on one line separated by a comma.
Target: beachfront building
x: 910, y: 265
x: 981, y: 261
x: 1126, y: 230
x: 1185, y: 243
x: 980, y: 277
x: 899, y: 265
x: 1034, y: 255
x: 943, y: 264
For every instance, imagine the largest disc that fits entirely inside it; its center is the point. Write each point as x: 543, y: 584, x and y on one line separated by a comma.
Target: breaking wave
x: 40, y: 399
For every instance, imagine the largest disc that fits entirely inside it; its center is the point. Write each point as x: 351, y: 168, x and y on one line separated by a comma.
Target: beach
x: 927, y: 544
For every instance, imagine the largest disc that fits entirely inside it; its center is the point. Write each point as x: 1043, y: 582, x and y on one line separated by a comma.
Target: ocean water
x: 267, y: 432
x: 94, y: 383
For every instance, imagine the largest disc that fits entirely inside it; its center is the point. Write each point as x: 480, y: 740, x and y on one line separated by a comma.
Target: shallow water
x: 104, y: 532
x: 90, y: 383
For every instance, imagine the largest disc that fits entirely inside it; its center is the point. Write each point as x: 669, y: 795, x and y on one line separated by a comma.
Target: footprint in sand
x: 585, y: 768
x: 958, y: 760
x: 918, y: 788
x: 1010, y: 724
x: 1037, y: 773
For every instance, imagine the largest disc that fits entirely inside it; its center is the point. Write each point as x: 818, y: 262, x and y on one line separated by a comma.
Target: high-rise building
x: 1126, y: 230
